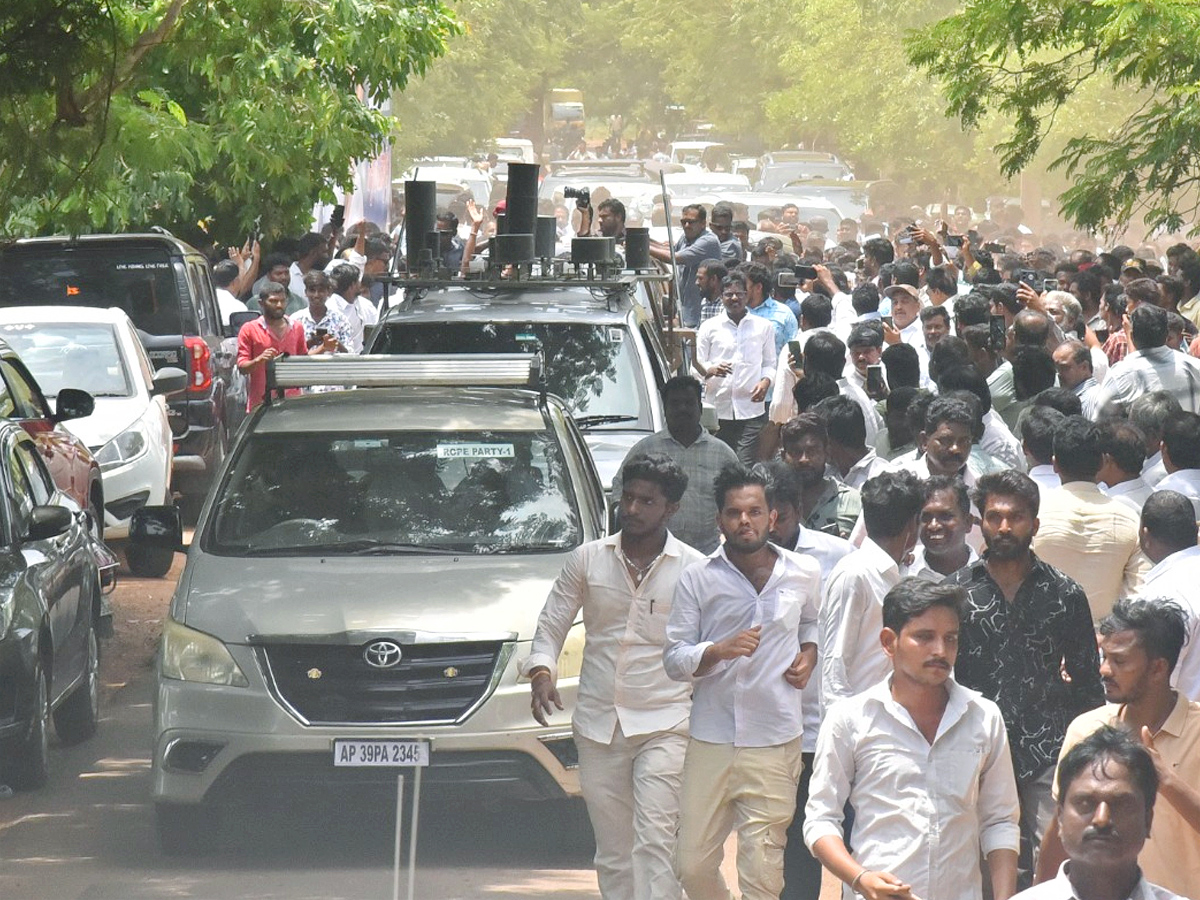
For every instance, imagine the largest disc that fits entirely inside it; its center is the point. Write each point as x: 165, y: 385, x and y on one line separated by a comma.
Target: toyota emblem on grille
x: 382, y: 654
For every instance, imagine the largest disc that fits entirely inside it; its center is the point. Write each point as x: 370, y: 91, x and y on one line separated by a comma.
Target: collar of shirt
x: 1168, y: 563
x: 1085, y: 385
x: 1061, y: 888
x: 956, y: 705
x: 920, y: 568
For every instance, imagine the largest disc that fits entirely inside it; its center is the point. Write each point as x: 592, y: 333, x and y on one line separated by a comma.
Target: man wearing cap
x: 906, y: 319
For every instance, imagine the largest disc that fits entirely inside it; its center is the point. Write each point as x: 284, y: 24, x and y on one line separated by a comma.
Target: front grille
x: 332, y: 685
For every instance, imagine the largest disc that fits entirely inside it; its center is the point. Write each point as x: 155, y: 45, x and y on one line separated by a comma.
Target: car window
x: 41, y: 487
x: 22, y: 491
x: 205, y: 301
x: 593, y: 368
x: 139, y: 280
x: 397, y: 491
x: 71, y: 355
x: 141, y: 361
x: 27, y: 399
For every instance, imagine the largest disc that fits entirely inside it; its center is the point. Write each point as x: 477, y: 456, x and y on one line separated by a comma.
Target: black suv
x: 164, y: 286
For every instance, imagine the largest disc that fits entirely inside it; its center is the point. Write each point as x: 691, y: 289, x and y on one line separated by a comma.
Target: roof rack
x: 417, y: 370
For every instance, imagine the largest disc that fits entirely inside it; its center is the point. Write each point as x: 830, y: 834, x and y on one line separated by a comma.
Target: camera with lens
x: 582, y: 196
x: 798, y: 275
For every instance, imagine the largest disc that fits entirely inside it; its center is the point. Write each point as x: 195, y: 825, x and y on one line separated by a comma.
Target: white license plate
x: 349, y: 752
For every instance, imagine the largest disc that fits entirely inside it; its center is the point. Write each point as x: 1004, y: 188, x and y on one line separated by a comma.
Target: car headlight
x: 190, y: 655
x: 124, y: 448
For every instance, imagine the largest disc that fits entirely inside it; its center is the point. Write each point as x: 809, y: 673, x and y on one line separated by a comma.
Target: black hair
x: 1038, y: 425
x: 817, y: 309
x: 812, y: 389
x: 1007, y: 483
x: 732, y: 476
x: 890, y: 501
x: 953, y: 483
x: 276, y: 260
x: 866, y: 334
x: 613, y: 205
x: 918, y: 406
x: 951, y: 352
x: 844, y: 421
x: 966, y: 378
x: 1148, y: 327
x: 1181, y: 439
x: 825, y: 352
x: 224, y: 273
x: 1161, y: 626
x: 906, y: 273
x: 938, y: 279
x: 308, y: 243
x: 903, y: 365
x: 270, y: 288
x: 1125, y: 443
x: 659, y: 469
x: 758, y: 274
x: 343, y: 275
x: 1169, y: 516
x: 714, y: 268
x: 879, y: 249
x: 700, y: 211
x: 912, y: 597
x: 316, y: 278
x: 935, y: 312
x: 1060, y: 399
x: 865, y: 298
x: 972, y: 308
x: 1108, y: 744
x: 1033, y: 371
x: 783, y: 483
x: 683, y: 383
x: 801, y: 426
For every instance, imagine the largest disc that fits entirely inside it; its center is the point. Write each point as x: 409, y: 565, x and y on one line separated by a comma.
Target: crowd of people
x: 923, y: 612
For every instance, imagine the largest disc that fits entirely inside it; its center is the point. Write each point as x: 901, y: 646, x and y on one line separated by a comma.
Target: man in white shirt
x: 736, y: 351
x: 852, y: 610
x: 1124, y: 454
x: 1037, y: 426
x: 944, y: 524
x: 1106, y: 789
x: 742, y: 632
x: 224, y: 274
x: 348, y: 299
x: 1168, y: 536
x: 924, y: 763
x: 848, y: 451
x: 1150, y: 366
x: 801, y: 871
x: 1181, y: 457
x: 1150, y: 413
x: 629, y: 719
x: 906, y: 319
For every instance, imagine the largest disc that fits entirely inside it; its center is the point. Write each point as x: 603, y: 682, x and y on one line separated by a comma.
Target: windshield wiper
x: 589, y: 421
x: 362, y: 547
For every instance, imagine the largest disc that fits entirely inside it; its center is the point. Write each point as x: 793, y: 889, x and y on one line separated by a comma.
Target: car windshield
x: 776, y: 175
x: 593, y: 368
x: 73, y: 355
x: 393, y: 492
x: 139, y: 280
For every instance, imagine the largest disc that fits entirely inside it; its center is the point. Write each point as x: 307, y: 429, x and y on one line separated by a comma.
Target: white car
x: 98, y: 350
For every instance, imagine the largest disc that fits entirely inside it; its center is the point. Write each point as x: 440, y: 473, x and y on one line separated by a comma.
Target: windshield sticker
x: 526, y: 336
x: 135, y: 266
x: 475, y: 451
x: 616, y: 335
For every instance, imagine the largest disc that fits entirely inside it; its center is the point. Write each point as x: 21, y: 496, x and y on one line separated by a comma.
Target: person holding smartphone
x: 325, y: 329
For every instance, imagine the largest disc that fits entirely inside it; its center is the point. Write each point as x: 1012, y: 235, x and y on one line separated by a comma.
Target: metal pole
x: 662, y: 180
x: 399, y: 823
x: 412, y: 835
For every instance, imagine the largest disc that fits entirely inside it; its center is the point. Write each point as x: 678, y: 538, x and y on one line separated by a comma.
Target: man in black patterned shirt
x: 1026, y: 625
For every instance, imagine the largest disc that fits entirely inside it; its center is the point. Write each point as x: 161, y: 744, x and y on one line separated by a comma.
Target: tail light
x: 199, y: 364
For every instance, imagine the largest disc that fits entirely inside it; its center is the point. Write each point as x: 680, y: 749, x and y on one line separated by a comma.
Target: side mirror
x: 160, y: 527
x: 237, y: 320
x: 169, y: 380
x: 73, y: 403
x: 48, y: 522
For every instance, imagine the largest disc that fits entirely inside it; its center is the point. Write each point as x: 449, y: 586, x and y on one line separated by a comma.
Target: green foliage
x: 1025, y: 60
x: 163, y: 111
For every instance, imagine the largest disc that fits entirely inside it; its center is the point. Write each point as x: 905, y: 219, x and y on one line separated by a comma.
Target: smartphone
x: 995, y: 248
x: 797, y: 353
x: 338, y: 219
x: 954, y: 240
x: 1029, y: 277
x: 805, y: 273
x: 875, y: 379
x: 905, y: 238
x: 887, y: 320
x: 999, y: 333
x: 1049, y: 284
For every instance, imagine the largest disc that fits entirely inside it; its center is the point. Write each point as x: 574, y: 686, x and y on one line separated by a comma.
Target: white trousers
x: 631, y: 788
x: 750, y: 788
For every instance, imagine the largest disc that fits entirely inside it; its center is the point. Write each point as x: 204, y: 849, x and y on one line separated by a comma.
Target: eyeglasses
x: 733, y: 295
x: 689, y: 221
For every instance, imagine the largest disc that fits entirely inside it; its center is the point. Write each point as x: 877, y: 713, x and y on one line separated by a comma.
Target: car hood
x: 111, y: 416
x: 234, y: 598
x: 609, y: 449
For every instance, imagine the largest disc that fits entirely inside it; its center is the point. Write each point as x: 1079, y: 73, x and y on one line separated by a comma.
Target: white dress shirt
x: 1176, y: 578
x: 361, y: 314
x: 999, y: 441
x: 865, y: 469
x: 851, y: 618
x: 828, y: 550
x: 924, y: 812
x: 744, y: 701
x: 749, y: 346
x: 1060, y: 888
x: 920, y: 568
x: 1154, y: 469
x: 1186, y: 482
x: 1045, y: 477
x: 1132, y: 493
x: 622, y: 677
x: 228, y: 304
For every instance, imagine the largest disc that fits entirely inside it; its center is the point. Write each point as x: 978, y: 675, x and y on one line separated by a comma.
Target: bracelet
x: 536, y: 672
x: 854, y: 883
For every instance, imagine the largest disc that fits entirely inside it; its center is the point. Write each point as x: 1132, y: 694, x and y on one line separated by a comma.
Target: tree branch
x: 146, y: 41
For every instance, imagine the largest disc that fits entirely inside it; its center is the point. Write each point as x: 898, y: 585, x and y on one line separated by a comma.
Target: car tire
x: 185, y: 829
x: 28, y: 759
x: 76, y: 718
x: 148, y: 562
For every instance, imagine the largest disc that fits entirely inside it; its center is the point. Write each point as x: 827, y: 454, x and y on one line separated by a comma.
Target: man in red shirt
x: 268, y: 336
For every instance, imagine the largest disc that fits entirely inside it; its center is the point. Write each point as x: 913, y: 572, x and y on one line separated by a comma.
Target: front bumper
x: 218, y: 744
